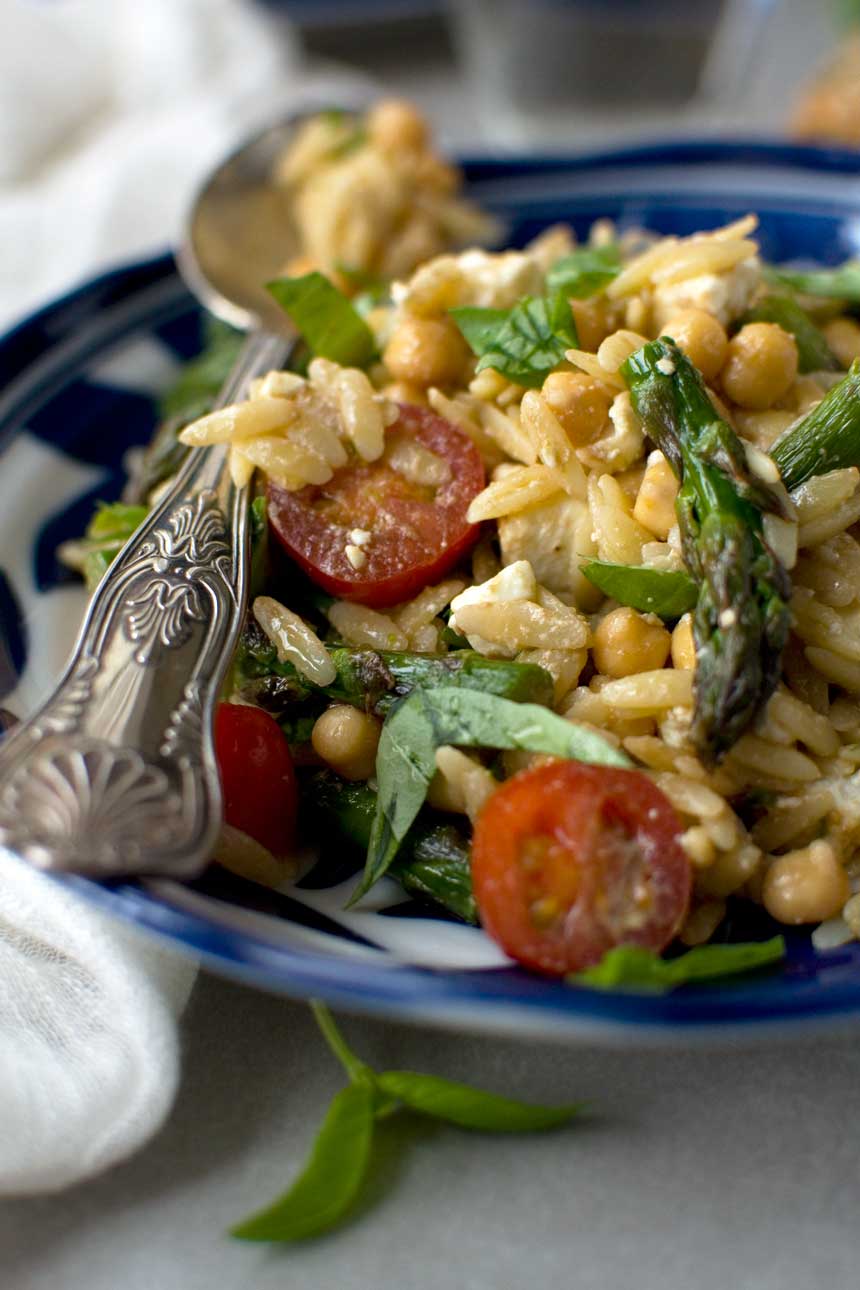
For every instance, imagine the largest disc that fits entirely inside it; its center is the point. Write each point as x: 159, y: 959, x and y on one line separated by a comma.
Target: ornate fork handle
x: 115, y: 773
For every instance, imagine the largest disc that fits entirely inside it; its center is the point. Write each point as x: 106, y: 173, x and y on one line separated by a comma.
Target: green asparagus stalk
x: 828, y: 438
x: 374, y: 680
x: 741, y: 619
x: 433, y: 863
x: 813, y: 352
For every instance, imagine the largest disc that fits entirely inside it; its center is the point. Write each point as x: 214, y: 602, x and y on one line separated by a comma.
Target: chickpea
x: 593, y: 322
x: 655, y: 501
x: 806, y: 886
x: 702, y: 337
x: 347, y: 739
x: 395, y: 124
x: 626, y: 642
x: 843, y: 337
x: 580, y: 404
x: 760, y: 366
x: 426, y: 351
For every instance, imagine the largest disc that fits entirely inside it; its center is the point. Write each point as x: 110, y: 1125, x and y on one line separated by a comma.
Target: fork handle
x: 115, y: 773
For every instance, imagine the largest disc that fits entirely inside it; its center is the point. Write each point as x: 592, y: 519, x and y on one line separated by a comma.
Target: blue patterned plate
x: 79, y: 380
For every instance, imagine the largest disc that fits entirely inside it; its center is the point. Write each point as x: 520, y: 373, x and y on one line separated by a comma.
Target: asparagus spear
x: 813, y: 352
x: 828, y: 438
x: 374, y: 679
x: 433, y: 863
x: 741, y: 618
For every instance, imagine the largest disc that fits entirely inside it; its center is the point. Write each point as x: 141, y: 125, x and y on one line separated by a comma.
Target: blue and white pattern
x: 78, y: 388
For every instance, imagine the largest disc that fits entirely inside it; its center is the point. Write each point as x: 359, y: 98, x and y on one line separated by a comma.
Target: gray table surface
x: 695, y: 1168
x: 726, y: 1167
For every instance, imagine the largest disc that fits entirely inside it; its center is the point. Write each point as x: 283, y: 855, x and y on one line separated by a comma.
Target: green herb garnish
x: 325, y: 1192
x: 415, y: 728
x: 841, y: 283
x: 631, y: 968
x: 668, y: 593
x: 523, y: 343
x: 107, y: 533
x: 327, y: 321
x: 586, y: 271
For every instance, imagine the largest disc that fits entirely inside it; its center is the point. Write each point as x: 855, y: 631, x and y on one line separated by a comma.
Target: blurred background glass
x: 567, y: 74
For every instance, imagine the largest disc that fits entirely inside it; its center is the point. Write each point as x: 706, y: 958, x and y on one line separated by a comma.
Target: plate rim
x: 425, y: 995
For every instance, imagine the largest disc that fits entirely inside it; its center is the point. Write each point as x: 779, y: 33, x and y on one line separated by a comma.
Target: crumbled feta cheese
x: 725, y: 295
x: 515, y: 582
x: 355, y: 555
x: 621, y: 446
x: 472, y: 278
x: 666, y: 366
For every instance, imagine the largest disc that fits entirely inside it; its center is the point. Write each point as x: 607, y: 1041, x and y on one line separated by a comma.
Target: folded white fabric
x: 89, y: 1058
x: 111, y: 111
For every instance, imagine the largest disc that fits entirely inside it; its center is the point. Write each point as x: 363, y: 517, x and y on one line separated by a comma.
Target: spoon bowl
x: 241, y: 233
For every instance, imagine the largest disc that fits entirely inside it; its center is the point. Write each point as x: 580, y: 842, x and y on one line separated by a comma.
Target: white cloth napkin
x: 111, y: 111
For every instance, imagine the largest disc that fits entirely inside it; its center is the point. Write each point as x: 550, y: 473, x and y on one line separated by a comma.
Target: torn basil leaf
x: 841, y: 283
x: 668, y: 593
x: 327, y: 321
x: 585, y: 271
x: 641, y: 971
x: 427, y: 719
x: 523, y: 343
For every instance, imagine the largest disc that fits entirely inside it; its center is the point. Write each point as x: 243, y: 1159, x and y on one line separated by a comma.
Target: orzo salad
x: 556, y: 604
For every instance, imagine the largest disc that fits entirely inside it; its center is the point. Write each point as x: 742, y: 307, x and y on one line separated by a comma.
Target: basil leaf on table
x: 331, y: 1179
x: 841, y: 283
x: 586, y: 271
x: 427, y: 719
x: 523, y: 343
x: 328, y: 322
x: 629, y: 967
x: 665, y: 592
x: 328, y: 1187
x: 471, y: 1108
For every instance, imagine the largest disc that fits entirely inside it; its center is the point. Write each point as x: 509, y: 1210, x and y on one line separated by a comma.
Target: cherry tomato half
x: 569, y: 860
x: 418, y: 531
x: 257, y: 776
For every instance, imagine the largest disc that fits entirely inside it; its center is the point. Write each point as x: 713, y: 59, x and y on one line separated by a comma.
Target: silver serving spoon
x: 115, y: 773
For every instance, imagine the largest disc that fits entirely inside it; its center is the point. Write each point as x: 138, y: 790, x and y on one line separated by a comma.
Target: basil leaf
x: 426, y: 719
x: 813, y: 352
x: 629, y: 967
x: 586, y: 271
x: 200, y: 381
x: 843, y: 282
x: 258, y: 524
x: 107, y: 533
x: 523, y: 343
x: 471, y: 1108
x: 652, y: 591
x: 330, y: 1181
x: 326, y: 319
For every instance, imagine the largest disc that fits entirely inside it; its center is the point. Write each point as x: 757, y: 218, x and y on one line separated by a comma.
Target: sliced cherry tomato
x: 569, y: 860
x: 257, y: 776
x: 417, y: 531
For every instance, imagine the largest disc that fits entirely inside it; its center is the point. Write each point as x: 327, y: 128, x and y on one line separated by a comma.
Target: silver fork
x: 115, y: 773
